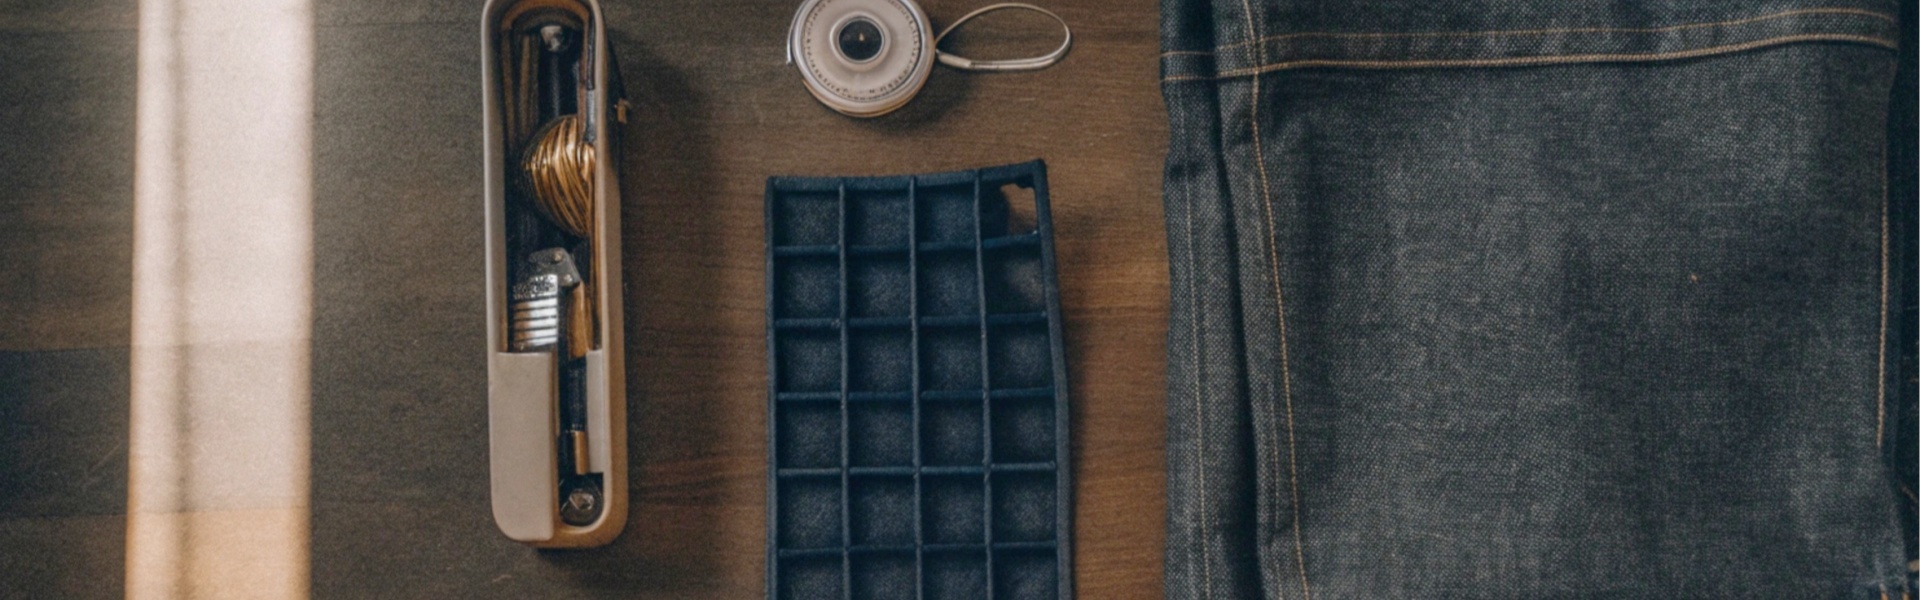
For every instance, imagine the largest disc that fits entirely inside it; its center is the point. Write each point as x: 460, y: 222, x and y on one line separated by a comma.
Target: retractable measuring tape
x: 866, y: 58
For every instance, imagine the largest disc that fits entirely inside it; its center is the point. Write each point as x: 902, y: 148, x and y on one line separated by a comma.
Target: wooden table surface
x: 399, y: 492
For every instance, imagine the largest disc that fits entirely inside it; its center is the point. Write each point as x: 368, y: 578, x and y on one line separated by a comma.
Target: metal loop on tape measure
x: 1010, y: 64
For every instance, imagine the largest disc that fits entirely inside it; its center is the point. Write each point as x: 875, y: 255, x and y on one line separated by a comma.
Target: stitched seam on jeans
x: 1880, y: 379
x: 1253, y: 113
x: 1280, y: 316
x: 1525, y: 32
x: 1199, y: 405
x: 1534, y: 60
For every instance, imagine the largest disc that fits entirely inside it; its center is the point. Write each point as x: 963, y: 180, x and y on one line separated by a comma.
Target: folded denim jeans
x: 1567, y: 299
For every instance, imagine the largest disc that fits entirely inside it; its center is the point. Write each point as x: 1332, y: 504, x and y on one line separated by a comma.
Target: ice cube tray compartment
x: 918, y: 435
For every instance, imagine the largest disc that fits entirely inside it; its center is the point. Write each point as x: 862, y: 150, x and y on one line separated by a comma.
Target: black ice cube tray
x: 918, y: 435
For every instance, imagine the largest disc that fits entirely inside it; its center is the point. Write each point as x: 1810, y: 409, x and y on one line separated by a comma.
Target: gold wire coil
x: 559, y: 171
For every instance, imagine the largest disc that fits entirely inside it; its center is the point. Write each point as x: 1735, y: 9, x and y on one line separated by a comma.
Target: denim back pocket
x: 1566, y: 299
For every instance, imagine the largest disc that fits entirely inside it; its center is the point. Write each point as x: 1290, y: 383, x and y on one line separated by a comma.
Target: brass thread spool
x: 559, y: 168
x: 559, y: 171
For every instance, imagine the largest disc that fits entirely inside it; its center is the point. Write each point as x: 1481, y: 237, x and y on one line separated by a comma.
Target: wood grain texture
x: 717, y: 112
x: 66, y: 229
x: 400, y: 505
x: 66, y: 186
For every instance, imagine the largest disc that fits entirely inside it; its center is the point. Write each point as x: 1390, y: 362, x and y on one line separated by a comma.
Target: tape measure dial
x: 864, y: 58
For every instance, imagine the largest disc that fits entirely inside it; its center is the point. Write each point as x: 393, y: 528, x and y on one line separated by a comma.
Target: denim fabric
x: 1903, y: 160
x: 1572, y: 299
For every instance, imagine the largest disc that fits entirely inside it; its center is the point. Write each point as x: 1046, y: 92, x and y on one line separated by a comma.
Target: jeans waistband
x: 1620, y: 39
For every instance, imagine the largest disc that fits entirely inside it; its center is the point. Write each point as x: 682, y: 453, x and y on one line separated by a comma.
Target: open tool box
x: 556, y: 394
x: 918, y: 434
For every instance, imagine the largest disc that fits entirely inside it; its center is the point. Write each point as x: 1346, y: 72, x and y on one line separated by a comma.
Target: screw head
x: 580, y: 500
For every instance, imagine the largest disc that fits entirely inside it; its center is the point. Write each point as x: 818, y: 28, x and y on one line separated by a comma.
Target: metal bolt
x: 581, y: 500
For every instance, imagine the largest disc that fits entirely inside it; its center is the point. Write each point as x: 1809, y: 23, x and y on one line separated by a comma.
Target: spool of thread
x: 559, y: 171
